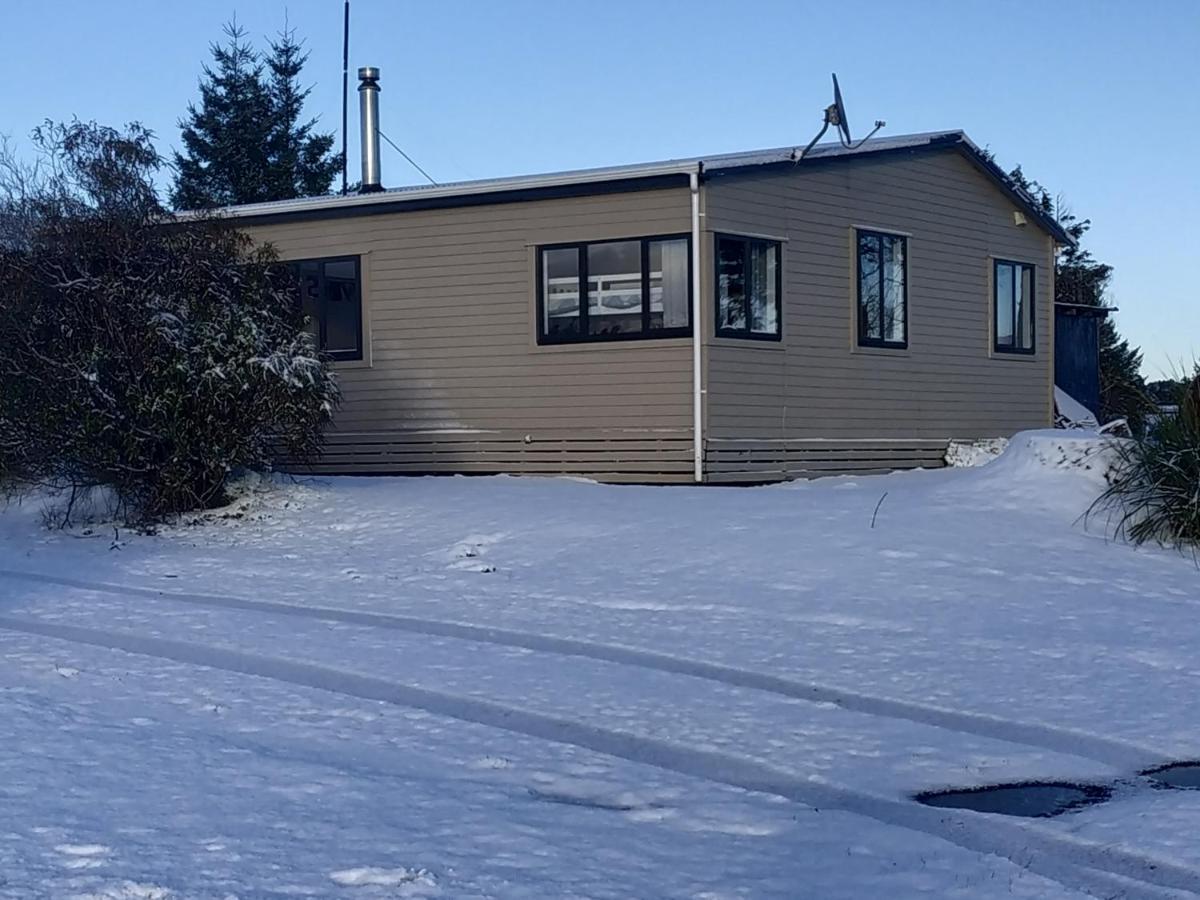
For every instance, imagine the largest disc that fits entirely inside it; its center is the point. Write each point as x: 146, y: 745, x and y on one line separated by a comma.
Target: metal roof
x: 380, y: 201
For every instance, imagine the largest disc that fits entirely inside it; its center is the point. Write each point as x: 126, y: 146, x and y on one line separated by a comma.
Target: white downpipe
x: 697, y: 331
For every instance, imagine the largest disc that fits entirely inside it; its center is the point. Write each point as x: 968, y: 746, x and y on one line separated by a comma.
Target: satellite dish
x: 839, y: 111
x: 835, y: 115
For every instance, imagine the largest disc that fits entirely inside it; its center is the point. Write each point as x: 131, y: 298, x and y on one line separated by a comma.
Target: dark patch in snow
x: 1181, y: 775
x: 1032, y: 799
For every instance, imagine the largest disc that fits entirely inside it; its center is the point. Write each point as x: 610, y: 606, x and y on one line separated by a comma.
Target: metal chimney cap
x: 368, y: 73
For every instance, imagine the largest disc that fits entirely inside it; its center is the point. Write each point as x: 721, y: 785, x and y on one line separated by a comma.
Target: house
x: 734, y: 318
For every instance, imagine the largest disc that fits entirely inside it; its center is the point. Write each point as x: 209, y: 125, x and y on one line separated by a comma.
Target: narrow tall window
x: 749, y: 288
x: 561, y: 311
x: 1013, y: 307
x: 615, y: 290
x: 882, y: 289
x: 331, y: 298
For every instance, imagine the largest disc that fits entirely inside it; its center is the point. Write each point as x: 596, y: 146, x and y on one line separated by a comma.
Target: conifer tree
x: 246, y: 140
x: 225, y: 137
x: 300, y: 159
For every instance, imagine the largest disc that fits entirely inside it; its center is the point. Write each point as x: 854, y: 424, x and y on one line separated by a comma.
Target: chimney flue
x: 368, y: 108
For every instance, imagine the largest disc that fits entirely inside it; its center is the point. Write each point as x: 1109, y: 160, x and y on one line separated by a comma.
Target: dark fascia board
x: 952, y: 142
x: 491, y: 198
x: 1083, y: 310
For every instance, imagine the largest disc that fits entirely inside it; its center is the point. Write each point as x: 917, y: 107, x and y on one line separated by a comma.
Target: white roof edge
x: 402, y: 195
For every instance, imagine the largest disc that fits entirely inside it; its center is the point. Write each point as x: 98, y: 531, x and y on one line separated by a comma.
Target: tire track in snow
x: 1069, y: 860
x: 1122, y: 755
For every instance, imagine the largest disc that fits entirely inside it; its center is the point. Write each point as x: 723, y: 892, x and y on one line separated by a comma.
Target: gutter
x: 697, y: 331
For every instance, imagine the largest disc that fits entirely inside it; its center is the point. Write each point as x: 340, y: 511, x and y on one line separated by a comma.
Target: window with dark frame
x: 615, y: 290
x: 331, y: 299
x: 1013, y: 305
x: 882, y: 278
x: 749, y: 288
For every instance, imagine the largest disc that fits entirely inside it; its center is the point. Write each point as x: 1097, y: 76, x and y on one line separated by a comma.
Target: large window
x: 1013, y: 307
x: 615, y: 290
x: 749, y: 288
x: 331, y: 297
x: 882, y: 290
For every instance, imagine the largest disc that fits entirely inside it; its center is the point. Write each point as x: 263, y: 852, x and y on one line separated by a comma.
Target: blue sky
x: 1097, y: 100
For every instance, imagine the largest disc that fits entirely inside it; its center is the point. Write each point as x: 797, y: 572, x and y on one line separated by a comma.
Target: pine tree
x: 246, y: 141
x: 225, y: 138
x: 301, y: 161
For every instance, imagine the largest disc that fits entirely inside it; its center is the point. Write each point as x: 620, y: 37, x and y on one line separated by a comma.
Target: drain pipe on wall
x: 697, y: 331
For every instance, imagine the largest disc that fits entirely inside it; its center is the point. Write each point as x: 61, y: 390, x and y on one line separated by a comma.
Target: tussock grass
x: 1154, y: 494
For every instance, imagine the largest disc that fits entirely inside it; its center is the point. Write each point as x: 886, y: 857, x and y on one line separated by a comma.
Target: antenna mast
x: 345, y: 86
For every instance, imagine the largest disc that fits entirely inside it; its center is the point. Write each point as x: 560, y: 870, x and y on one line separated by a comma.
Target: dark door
x: 1077, y: 357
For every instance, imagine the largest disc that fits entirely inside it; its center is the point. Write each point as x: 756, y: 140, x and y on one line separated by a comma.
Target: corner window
x: 749, y: 287
x: 615, y: 290
x: 331, y: 298
x: 882, y: 272
x: 1012, y: 325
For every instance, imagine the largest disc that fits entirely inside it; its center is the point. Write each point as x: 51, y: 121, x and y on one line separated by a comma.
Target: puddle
x: 1185, y: 775
x: 1033, y: 800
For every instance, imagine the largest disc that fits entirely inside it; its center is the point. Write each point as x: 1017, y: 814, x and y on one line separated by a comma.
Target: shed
x: 1077, y: 351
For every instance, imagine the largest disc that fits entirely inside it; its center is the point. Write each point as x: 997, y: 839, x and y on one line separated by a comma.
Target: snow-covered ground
x: 534, y: 688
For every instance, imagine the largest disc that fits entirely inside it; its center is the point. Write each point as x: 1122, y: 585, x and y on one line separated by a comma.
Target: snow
x: 965, y: 454
x: 1072, y: 412
x: 414, y: 883
x: 540, y: 688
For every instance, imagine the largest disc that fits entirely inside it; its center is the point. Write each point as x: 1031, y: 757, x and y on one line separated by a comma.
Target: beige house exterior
x: 853, y: 312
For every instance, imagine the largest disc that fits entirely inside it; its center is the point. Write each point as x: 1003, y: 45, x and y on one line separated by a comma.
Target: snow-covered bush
x: 1155, y: 490
x: 152, y: 356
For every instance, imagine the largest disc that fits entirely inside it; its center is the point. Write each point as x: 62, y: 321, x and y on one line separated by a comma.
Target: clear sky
x: 1100, y: 101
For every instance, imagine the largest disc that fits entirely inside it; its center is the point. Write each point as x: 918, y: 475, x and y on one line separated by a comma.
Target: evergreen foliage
x: 302, y: 162
x: 247, y: 141
x: 152, y: 356
x: 1166, y: 391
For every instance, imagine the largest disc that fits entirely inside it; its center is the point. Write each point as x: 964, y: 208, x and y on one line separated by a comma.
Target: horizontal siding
x: 749, y: 460
x: 450, y: 307
x: 629, y: 455
x: 451, y: 323
x: 816, y: 383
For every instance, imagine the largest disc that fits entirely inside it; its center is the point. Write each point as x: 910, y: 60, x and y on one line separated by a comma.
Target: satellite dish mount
x: 835, y: 115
